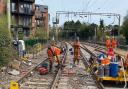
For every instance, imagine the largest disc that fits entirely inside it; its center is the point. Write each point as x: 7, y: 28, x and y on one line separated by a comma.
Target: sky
x: 107, y: 6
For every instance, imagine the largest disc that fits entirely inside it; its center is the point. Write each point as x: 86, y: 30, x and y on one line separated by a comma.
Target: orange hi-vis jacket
x: 76, y: 50
x: 53, y: 53
x: 114, y: 43
x: 110, y: 52
x: 108, y: 43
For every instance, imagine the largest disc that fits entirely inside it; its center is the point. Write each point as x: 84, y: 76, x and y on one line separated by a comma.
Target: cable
x: 113, y: 21
x: 105, y: 3
x: 102, y: 5
x: 88, y: 4
x: 93, y: 2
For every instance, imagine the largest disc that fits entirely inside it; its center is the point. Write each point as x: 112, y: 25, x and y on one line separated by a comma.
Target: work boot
x: 57, y: 66
x: 77, y: 62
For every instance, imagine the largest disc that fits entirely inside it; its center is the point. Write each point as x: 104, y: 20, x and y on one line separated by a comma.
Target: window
x: 21, y: 8
x: 31, y: 7
x: 13, y: 7
x: 27, y: 21
x: 37, y: 7
x: 21, y: 21
x: 13, y: 21
x: 27, y: 9
x: 27, y: 32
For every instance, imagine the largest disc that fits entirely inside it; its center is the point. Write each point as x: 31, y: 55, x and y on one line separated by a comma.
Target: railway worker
x: 108, y: 42
x: 114, y: 43
x: 101, y: 57
x: 53, y: 53
x: 76, y: 47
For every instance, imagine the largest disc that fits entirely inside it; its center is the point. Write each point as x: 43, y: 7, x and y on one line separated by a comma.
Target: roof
x: 42, y: 8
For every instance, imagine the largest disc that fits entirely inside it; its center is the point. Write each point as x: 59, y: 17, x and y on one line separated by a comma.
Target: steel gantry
x: 58, y: 13
x: 87, y: 14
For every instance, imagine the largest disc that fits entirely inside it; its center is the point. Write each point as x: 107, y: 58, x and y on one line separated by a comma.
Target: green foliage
x: 20, y: 35
x: 40, y: 33
x: 69, y: 25
x: 83, y: 30
x: 99, y: 34
x: 125, y: 28
x: 77, y: 25
x: 6, y: 50
x: 101, y: 23
x: 32, y: 42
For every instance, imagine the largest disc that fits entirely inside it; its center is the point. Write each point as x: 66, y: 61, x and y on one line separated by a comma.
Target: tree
x: 125, y: 28
x: 92, y: 29
x: 84, y: 31
x: 7, y: 53
x: 40, y: 33
x: 114, y: 31
x: 77, y: 25
x: 101, y: 30
x: 101, y: 23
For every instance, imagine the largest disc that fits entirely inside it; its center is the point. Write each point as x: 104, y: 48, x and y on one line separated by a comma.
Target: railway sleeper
x: 31, y: 87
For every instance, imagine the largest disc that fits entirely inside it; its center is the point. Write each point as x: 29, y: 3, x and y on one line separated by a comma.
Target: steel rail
x: 99, y: 85
x: 103, y: 44
x: 54, y: 84
x: 86, y: 64
x: 29, y: 72
x: 21, y: 80
x: 122, y: 59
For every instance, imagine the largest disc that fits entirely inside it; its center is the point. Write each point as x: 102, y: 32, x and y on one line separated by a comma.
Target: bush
x: 6, y: 50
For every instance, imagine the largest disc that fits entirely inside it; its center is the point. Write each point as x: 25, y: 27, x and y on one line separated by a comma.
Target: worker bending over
x: 53, y: 53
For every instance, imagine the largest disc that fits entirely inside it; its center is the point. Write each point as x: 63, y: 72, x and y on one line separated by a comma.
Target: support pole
x: 8, y: 15
x: 119, y: 24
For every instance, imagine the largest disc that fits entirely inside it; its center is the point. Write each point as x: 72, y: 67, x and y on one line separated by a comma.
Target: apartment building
x: 22, y: 16
x: 41, y: 17
x: 26, y: 16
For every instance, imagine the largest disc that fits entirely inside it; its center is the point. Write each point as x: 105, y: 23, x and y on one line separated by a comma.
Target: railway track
x: 106, y: 84
x: 101, y: 47
x: 33, y: 80
x: 69, y: 77
x: 88, y: 79
x: 6, y: 78
x: 86, y: 63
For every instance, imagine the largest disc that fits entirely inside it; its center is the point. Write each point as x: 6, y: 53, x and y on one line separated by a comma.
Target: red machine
x: 43, y: 70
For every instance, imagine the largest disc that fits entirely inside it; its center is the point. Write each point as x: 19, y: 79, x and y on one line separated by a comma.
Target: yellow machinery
x: 122, y: 77
x: 14, y: 85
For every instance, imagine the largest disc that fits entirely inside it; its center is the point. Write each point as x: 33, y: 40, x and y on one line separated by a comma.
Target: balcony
x: 28, y: 1
x: 38, y: 17
x: 27, y: 12
x: 23, y: 13
x: 39, y: 24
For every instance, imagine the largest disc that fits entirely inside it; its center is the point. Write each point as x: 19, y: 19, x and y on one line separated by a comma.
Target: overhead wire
x: 93, y: 2
x: 105, y: 4
x: 108, y: 4
x: 88, y: 5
